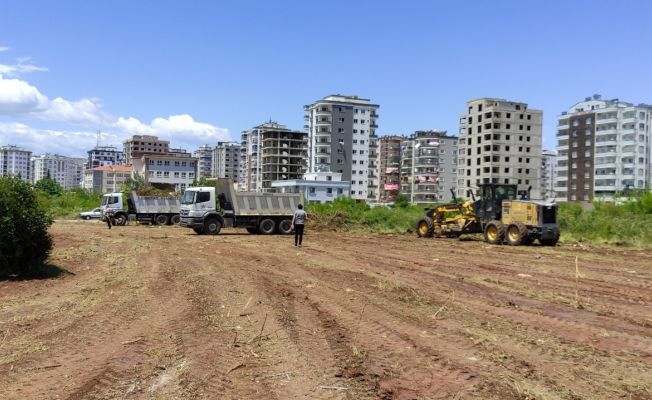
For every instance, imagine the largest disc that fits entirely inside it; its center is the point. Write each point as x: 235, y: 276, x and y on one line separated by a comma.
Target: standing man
x: 108, y: 213
x: 298, y: 221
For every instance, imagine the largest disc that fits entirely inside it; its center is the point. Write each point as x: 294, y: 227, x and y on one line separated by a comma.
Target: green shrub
x: 628, y: 223
x: 346, y: 214
x: 69, y: 203
x: 24, y: 240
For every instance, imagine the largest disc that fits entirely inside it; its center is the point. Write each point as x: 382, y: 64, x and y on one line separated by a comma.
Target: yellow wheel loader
x: 498, y: 215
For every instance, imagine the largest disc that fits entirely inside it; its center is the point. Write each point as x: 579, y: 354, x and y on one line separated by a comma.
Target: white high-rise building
x: 101, y: 156
x: 500, y: 142
x: 603, y: 148
x: 340, y: 130
x: 548, y: 172
x: 226, y: 161
x: 66, y: 171
x: 204, y: 156
x: 15, y: 161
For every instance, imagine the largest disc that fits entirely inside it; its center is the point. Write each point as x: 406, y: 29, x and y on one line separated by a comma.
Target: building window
x: 329, y: 191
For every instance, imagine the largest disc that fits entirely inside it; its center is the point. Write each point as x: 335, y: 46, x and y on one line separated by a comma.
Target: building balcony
x: 373, y: 125
x: 563, y: 125
x: 604, y: 188
x: 564, y: 168
x: 606, y: 143
x: 602, y: 121
x: 604, y: 165
x: 564, y: 147
x: 319, y: 111
x: 611, y: 131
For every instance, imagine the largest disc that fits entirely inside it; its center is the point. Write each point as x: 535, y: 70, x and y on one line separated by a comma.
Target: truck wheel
x: 267, y: 226
x: 425, y: 227
x: 161, y: 219
x: 550, y: 241
x: 285, y: 227
x: 494, y: 232
x: 120, y: 219
x: 175, y: 219
x: 212, y: 226
x: 253, y: 231
x: 198, y: 231
x: 516, y: 234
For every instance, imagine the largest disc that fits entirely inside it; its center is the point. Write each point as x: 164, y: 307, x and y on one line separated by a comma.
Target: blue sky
x: 197, y: 72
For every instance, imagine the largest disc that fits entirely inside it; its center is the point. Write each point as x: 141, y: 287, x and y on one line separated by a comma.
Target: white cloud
x: 22, y: 67
x: 19, y: 100
x: 39, y: 141
x: 182, y: 130
x: 19, y: 97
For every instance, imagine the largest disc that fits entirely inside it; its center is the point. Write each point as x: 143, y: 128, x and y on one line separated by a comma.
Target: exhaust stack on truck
x: 208, y: 209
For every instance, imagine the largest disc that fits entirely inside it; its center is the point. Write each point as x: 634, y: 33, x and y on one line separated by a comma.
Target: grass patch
x: 629, y: 223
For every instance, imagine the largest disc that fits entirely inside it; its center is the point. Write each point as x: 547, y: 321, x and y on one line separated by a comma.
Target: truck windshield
x: 188, y: 197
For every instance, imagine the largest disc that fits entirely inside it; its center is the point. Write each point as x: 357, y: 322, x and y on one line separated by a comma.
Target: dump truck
x: 208, y: 209
x: 157, y: 210
x: 498, y: 215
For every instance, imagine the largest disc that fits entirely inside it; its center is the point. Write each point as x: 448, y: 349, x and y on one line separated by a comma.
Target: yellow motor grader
x: 498, y: 215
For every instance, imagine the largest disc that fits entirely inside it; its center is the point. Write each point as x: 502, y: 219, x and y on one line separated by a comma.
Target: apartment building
x: 603, y: 147
x: 500, y: 142
x: 548, y: 174
x: 16, y: 161
x: 204, y: 156
x: 226, y: 160
x: 428, y: 166
x: 319, y: 187
x: 144, y: 144
x: 107, y: 178
x: 66, y: 171
x: 340, y: 129
x: 100, y: 156
x: 174, y: 171
x: 389, y: 164
x: 272, y: 152
x: 373, y: 177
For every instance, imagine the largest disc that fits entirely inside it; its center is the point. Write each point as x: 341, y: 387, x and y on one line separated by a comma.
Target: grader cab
x: 498, y: 215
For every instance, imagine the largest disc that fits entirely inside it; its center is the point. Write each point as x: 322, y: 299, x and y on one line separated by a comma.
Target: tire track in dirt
x: 557, y: 317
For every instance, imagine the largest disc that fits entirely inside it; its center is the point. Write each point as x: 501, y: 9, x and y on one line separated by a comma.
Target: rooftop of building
x: 146, y: 137
x: 342, y: 99
x: 601, y: 103
x: 10, y: 147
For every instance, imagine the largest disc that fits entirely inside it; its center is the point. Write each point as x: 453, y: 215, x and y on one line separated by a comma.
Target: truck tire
x: 176, y: 218
x: 267, y: 226
x: 253, y: 231
x: 494, y: 232
x: 212, y: 226
x: 550, y: 241
x: 285, y: 226
x: 120, y: 219
x: 425, y: 227
x: 516, y: 234
x: 199, y: 231
x: 161, y: 219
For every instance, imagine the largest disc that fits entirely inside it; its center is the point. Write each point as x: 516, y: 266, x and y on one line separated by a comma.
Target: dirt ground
x: 162, y: 313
